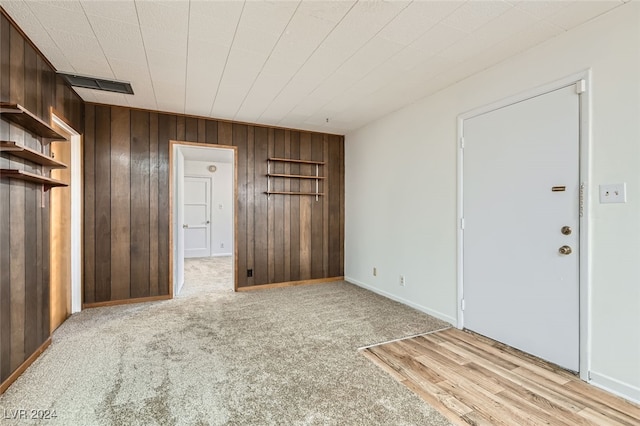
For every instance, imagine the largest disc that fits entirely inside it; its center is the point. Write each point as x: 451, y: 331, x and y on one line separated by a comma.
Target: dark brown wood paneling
x: 18, y: 266
x: 334, y: 189
x: 25, y: 78
x: 281, y: 238
x: 120, y: 203
x: 102, y: 204
x: 294, y: 231
x: 305, y: 209
x: 250, y: 225
x: 225, y: 133
x: 191, y: 129
x: 181, y: 128
x: 271, y: 217
x: 260, y: 220
x: 317, y: 209
x: 153, y: 205
x: 277, y: 256
x: 140, y: 194
x: 32, y: 205
x: 5, y: 59
x: 167, y: 127
x: 89, y: 208
x: 240, y: 140
x: 5, y: 280
x: 212, y: 132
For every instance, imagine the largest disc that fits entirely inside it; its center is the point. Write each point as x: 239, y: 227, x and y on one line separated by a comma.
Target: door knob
x: 565, y: 250
x: 185, y: 226
x: 208, y: 222
x: 566, y: 230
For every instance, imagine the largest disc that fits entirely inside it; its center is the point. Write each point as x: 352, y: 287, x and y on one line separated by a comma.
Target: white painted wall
x: 401, y: 187
x: 221, y: 205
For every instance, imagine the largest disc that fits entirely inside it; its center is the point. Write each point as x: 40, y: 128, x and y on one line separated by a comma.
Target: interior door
x: 521, y: 226
x: 197, y: 217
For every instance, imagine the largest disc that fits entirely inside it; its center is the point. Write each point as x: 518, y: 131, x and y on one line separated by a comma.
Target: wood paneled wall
x: 26, y: 78
x: 126, y: 212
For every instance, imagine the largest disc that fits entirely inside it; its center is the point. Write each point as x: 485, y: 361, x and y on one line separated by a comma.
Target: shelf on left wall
x: 21, y: 116
x: 16, y: 150
x: 31, y: 177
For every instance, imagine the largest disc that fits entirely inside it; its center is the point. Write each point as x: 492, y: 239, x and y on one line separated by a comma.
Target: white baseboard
x: 420, y: 308
x: 615, y: 386
x: 221, y: 255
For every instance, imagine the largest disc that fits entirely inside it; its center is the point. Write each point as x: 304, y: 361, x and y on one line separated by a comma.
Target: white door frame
x: 76, y: 211
x: 585, y: 180
x: 173, y: 220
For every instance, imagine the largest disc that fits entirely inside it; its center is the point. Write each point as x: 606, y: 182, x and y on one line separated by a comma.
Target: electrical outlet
x: 375, y: 271
x: 614, y: 193
x: 402, y: 281
x: 249, y: 273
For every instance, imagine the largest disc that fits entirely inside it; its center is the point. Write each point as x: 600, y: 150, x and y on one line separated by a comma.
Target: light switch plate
x: 613, y: 193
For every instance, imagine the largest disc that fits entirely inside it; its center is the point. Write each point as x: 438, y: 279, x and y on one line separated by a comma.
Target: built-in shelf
x: 291, y: 160
x: 295, y: 176
x: 23, y: 117
x: 295, y: 193
x: 315, y: 177
x: 30, y: 154
x: 31, y: 177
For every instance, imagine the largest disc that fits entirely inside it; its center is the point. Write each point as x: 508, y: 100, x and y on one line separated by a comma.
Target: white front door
x: 521, y: 217
x: 197, y: 217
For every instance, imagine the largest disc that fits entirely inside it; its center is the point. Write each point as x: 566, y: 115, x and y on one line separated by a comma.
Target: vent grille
x: 97, y: 83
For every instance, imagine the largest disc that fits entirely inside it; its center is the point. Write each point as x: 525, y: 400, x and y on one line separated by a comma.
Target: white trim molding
x: 436, y: 314
x: 616, y: 387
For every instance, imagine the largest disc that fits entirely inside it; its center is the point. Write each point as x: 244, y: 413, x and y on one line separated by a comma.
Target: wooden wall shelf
x: 23, y: 117
x: 29, y: 154
x: 295, y: 176
x: 315, y: 177
x: 31, y: 177
x: 315, y: 194
x: 291, y: 160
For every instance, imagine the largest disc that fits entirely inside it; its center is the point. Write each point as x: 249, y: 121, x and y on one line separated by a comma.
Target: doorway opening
x: 508, y: 166
x: 203, y: 194
x: 66, y: 226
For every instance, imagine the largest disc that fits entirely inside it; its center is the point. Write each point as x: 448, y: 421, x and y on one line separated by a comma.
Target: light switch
x: 613, y: 193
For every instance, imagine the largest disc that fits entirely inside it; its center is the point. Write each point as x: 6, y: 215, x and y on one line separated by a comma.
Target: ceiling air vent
x: 97, y: 83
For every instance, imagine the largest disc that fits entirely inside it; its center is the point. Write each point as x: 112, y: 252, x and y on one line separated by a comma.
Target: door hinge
x: 462, y: 223
x: 462, y: 142
x: 581, y: 86
x: 462, y: 304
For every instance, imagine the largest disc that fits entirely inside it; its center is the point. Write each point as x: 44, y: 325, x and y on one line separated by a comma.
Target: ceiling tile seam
x: 146, y: 56
x: 382, y: 63
x: 347, y: 59
x: 592, y: 17
x: 226, y: 61
x: 267, y: 59
x: 307, y: 59
x: 51, y: 37
x: 186, y: 62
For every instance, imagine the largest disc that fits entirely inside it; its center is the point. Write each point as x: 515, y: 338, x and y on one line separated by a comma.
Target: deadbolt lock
x: 566, y: 230
x: 565, y: 250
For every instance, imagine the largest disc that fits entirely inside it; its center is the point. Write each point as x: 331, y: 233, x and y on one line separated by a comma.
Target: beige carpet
x: 213, y: 357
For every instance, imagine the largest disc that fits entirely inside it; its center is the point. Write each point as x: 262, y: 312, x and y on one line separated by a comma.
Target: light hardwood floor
x: 475, y: 380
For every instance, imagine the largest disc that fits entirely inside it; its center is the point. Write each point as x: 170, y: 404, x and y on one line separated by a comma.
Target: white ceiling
x: 329, y: 66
